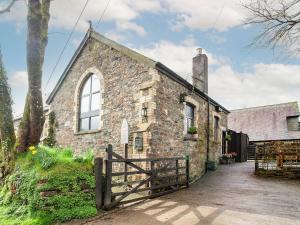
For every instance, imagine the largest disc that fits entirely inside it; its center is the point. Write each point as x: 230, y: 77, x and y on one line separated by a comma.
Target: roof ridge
x: 122, y: 48
x: 265, y: 106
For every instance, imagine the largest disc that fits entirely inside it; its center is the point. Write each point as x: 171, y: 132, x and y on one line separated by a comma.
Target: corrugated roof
x: 265, y: 122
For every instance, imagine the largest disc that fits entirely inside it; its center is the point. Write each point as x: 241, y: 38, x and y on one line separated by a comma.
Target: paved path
x: 232, y: 195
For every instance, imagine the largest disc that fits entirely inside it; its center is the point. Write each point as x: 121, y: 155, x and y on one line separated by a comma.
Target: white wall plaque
x: 124, y: 132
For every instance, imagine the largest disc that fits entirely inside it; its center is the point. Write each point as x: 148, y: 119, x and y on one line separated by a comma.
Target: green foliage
x: 192, y: 130
x: 7, y: 132
x: 50, y: 140
x: 48, y: 185
x: 228, y: 137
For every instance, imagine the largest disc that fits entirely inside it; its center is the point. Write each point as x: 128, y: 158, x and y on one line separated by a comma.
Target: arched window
x: 90, y: 104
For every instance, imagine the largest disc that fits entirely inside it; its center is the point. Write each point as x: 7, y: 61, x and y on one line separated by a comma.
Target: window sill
x: 191, y: 137
x: 87, y: 132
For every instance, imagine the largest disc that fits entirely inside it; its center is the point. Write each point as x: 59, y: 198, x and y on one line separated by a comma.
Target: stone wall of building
x: 121, y: 81
x: 128, y: 86
x: 167, y: 134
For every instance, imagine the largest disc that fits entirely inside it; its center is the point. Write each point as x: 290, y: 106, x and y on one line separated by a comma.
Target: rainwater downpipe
x: 208, y: 134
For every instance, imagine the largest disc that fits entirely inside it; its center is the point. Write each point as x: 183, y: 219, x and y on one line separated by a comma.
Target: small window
x: 216, y: 128
x: 189, y: 119
x: 90, y: 104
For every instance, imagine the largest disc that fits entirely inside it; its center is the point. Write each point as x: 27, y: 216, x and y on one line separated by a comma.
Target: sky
x: 168, y: 31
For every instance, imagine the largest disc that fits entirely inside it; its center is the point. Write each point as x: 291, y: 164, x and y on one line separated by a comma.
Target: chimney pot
x: 199, y: 51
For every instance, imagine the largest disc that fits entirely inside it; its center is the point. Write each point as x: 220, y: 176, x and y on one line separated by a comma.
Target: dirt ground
x: 232, y: 195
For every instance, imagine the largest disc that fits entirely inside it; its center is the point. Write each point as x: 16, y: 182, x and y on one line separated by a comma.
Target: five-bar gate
x: 141, y: 178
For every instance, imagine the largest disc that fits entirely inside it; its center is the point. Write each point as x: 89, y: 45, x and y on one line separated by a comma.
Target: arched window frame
x: 79, y: 87
x: 92, y: 104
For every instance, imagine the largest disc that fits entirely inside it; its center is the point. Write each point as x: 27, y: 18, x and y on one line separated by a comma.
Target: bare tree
x: 280, y: 22
x: 8, y: 7
x: 32, y: 122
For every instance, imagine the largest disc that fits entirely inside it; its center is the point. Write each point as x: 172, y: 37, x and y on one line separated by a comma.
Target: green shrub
x: 192, y: 130
x: 47, y: 170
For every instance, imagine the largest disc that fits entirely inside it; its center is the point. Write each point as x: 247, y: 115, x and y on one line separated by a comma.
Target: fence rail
x: 278, y: 158
x: 141, y: 179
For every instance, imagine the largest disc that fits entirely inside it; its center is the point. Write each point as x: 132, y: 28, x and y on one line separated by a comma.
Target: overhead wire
x: 66, y: 44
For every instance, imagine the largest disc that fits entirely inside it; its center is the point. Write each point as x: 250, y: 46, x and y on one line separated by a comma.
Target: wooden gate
x: 142, y: 178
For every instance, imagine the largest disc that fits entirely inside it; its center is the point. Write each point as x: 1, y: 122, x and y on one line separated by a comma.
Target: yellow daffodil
x: 34, y: 152
x: 32, y: 148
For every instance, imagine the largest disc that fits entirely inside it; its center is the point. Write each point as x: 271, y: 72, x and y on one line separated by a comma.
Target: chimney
x: 200, y: 71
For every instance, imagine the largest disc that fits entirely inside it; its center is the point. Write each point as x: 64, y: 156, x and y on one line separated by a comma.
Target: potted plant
x: 228, y: 158
x: 228, y: 137
x: 192, y: 130
x: 224, y: 159
x: 191, y: 134
x: 233, y: 156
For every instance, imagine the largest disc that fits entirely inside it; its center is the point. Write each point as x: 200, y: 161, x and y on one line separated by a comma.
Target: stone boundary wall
x: 279, y: 158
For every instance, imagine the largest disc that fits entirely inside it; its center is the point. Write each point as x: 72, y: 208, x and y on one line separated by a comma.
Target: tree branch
x: 7, y: 9
x: 279, y: 21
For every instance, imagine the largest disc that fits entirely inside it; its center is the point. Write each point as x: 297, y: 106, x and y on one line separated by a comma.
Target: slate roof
x: 265, y: 122
x: 134, y: 55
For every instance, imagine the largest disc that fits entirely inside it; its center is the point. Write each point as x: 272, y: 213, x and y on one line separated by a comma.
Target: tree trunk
x: 37, y: 37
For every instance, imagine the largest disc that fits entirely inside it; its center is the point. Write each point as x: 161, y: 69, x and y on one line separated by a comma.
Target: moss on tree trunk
x: 32, y: 123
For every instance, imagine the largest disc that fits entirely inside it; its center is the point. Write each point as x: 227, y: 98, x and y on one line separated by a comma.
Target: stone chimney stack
x: 200, y: 71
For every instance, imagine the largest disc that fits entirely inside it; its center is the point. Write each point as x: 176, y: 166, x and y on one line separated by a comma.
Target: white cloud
x: 206, y: 14
x: 265, y: 84
x: 195, y: 14
x: 177, y: 57
x: 64, y: 13
x: 131, y: 26
x: 260, y: 84
x: 17, y: 13
x: 19, y: 79
x: 116, y: 36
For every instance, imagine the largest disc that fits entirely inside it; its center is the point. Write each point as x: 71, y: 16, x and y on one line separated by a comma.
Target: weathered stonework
x: 127, y: 86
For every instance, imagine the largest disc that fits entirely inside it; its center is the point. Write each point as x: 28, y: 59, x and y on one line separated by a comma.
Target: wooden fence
x: 141, y: 178
x: 278, y: 158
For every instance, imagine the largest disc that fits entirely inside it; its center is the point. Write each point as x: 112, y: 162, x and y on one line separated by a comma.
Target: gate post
x: 187, y: 171
x: 125, y: 167
x: 99, y: 181
x: 152, y: 168
x: 108, y: 171
x: 177, y: 173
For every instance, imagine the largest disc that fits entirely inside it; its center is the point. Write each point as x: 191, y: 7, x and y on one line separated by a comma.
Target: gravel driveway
x: 232, y: 195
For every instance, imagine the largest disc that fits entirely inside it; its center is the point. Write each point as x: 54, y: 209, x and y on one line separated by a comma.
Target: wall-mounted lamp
x: 182, y: 97
x: 145, y: 112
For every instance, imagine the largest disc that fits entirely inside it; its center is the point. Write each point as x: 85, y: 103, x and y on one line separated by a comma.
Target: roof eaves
x: 170, y: 73
x: 293, y: 116
x: 63, y: 76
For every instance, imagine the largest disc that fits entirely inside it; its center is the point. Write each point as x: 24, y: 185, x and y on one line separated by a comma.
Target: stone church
x: 110, y: 94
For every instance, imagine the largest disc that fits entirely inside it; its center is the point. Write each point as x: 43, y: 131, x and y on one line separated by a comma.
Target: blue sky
x: 168, y: 31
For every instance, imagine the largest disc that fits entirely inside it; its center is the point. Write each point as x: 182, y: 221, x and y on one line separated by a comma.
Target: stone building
x: 109, y: 92
x: 267, y: 123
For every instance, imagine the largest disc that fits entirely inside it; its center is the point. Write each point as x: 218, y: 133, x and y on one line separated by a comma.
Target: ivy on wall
x: 50, y: 139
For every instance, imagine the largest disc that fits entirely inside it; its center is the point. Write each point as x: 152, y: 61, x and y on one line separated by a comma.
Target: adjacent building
x: 267, y: 123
